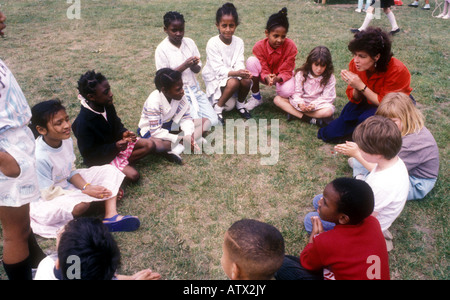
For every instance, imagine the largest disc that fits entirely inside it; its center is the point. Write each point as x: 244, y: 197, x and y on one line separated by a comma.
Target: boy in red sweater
x: 354, y: 249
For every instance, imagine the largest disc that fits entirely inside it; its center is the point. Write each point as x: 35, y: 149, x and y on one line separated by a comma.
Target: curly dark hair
x: 88, y: 82
x: 172, y: 16
x: 374, y: 41
x: 322, y: 56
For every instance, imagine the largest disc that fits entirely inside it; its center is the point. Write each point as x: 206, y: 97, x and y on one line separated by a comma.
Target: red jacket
x: 396, y: 79
x: 351, y: 252
x: 280, y: 61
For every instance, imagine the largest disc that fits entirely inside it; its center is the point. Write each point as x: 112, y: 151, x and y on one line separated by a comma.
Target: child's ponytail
x: 278, y: 19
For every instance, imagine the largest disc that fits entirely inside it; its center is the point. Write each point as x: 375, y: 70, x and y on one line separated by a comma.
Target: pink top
x: 280, y: 61
x: 311, y: 91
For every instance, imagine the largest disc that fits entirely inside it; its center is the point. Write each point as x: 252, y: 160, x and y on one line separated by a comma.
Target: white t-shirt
x: 390, y: 188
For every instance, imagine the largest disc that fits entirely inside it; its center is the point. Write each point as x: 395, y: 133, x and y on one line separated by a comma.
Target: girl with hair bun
x: 273, y: 60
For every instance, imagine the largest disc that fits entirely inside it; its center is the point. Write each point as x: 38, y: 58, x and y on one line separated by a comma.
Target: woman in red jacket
x: 373, y: 72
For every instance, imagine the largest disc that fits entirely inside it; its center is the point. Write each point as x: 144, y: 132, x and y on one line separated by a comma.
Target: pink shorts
x: 121, y: 160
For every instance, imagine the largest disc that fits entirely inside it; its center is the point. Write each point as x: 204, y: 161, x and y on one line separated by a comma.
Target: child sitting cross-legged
x: 354, y: 249
x: 67, y: 192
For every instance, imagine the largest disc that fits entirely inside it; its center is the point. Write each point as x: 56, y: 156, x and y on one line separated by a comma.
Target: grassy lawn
x: 185, y: 210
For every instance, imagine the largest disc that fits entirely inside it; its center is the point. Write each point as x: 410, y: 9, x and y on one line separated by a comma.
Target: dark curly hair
x: 374, y: 41
x: 88, y: 82
x: 172, y: 16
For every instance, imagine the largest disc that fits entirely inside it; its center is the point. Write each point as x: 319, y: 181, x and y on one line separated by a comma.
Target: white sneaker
x: 446, y: 17
x: 251, y: 103
x: 358, y: 10
x: 440, y: 15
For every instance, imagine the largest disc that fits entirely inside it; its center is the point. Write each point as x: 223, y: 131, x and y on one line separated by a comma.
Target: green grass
x: 185, y: 210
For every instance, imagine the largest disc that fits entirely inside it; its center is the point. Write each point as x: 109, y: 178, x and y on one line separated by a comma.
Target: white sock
x: 218, y: 109
x: 240, y: 105
x: 415, y: 3
x: 392, y: 20
x: 367, y: 20
x: 426, y: 6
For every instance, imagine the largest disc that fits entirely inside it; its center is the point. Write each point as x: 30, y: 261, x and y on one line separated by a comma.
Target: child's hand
x: 194, y: 146
x: 269, y: 79
x: 146, y: 274
x: 121, y: 144
x: 8, y: 165
x: 129, y: 136
x: 97, y: 191
x: 317, y: 226
x: 245, y: 74
x: 192, y: 61
x: 349, y: 148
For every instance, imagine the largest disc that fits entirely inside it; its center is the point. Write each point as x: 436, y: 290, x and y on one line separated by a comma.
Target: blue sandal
x: 127, y: 223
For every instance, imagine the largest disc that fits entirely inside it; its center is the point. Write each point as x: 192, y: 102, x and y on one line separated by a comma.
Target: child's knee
x: 253, y: 65
x: 80, y: 209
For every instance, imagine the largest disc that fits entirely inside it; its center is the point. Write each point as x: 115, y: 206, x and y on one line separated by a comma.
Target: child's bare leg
x: 228, y: 91
x: 255, y: 86
x: 131, y: 173
x: 284, y: 104
x: 244, y: 88
x: 202, y: 126
x: 80, y: 209
x: 320, y: 113
x: 16, y: 229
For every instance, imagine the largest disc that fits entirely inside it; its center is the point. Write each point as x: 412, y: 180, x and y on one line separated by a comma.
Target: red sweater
x: 351, y: 252
x: 396, y: 79
x: 280, y: 61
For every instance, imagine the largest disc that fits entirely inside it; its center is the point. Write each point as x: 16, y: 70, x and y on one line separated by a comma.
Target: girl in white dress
x: 224, y: 73
x: 66, y: 192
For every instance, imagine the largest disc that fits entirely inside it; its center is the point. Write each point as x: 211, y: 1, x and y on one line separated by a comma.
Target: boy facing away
x: 252, y: 250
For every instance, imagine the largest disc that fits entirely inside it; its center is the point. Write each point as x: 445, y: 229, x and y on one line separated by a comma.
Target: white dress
x: 221, y: 59
x: 55, y: 166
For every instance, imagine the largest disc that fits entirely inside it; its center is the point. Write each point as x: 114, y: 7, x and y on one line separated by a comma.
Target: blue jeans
x: 308, y: 224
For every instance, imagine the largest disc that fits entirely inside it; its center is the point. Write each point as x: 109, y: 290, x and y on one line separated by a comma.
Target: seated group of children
x: 349, y: 232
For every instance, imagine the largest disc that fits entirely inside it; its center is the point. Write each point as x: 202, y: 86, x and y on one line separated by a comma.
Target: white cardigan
x: 157, y: 110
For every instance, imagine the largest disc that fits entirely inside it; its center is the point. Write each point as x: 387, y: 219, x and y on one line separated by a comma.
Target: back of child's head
x: 87, y: 84
x: 43, y: 112
x: 278, y: 19
x: 320, y: 55
x: 172, y: 16
x: 399, y: 105
x: 166, y: 78
x: 256, y: 247
x: 356, y: 199
x: 378, y: 135
x: 92, y: 245
x: 228, y: 9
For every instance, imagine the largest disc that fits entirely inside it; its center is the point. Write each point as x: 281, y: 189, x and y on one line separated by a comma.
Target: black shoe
x: 394, y: 31
x: 413, y: 5
x: 354, y: 30
x: 244, y: 113
x: 425, y: 8
x: 172, y: 157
